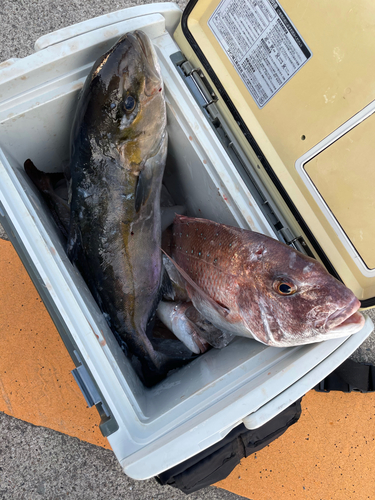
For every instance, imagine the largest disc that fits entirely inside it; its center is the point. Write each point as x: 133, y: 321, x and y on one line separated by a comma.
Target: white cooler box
x: 149, y: 430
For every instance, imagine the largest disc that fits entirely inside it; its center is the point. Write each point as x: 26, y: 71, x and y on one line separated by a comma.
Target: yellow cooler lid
x: 296, y: 82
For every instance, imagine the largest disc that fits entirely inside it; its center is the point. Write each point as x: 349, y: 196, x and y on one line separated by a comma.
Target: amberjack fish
x: 118, y: 155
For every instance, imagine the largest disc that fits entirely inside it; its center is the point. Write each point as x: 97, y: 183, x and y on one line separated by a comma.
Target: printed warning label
x: 262, y: 44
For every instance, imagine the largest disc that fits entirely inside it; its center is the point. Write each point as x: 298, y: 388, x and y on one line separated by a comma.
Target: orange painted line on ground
x: 329, y: 454
x: 36, y: 384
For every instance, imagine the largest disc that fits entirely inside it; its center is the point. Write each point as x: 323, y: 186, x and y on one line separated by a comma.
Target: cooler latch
x: 86, y: 385
x: 92, y: 397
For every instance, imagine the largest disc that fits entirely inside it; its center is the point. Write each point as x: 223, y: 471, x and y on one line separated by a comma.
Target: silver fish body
x: 173, y: 315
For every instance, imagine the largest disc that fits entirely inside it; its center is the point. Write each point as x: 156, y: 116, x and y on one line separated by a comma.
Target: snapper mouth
x: 347, y: 320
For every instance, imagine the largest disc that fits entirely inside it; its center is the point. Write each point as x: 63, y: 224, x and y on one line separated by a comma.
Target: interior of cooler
x: 38, y: 128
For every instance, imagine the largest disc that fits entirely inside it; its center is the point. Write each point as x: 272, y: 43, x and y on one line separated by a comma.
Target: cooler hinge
x: 199, y: 80
x: 296, y: 242
x: 206, y: 99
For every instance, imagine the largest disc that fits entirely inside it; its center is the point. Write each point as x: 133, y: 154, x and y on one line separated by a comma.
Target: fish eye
x: 284, y: 287
x: 129, y: 104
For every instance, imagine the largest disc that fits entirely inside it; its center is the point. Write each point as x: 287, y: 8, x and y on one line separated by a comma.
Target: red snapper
x: 251, y: 285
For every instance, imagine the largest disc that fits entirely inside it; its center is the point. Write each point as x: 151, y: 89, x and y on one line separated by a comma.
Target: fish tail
x: 41, y: 180
x: 45, y: 183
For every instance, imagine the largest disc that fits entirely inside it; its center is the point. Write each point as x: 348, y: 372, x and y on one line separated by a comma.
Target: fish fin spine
x: 221, y: 309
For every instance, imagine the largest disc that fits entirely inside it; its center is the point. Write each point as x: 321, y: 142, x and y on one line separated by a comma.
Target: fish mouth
x: 347, y: 320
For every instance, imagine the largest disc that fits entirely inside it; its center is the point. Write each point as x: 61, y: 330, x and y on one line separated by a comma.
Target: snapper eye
x: 284, y: 287
x: 129, y: 104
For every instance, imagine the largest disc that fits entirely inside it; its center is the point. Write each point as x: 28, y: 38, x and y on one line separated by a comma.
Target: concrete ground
x: 37, y: 463
x: 328, y: 454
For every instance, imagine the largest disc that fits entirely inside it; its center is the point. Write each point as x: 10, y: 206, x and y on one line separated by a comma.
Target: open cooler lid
x: 295, y: 83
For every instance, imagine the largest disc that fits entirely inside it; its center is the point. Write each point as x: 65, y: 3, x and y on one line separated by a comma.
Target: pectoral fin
x: 198, y: 295
x: 143, y: 189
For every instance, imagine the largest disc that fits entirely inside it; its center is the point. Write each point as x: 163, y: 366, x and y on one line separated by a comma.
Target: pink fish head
x: 293, y: 299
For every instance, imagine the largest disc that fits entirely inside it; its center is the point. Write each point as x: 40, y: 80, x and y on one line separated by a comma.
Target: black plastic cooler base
x: 217, y: 462
x: 348, y: 377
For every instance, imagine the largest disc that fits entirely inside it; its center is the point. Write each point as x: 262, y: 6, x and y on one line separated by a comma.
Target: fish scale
x: 209, y: 255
